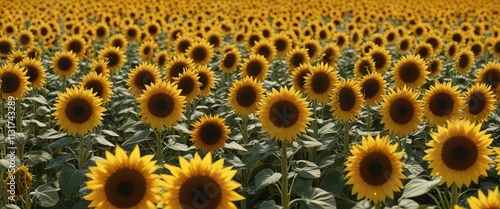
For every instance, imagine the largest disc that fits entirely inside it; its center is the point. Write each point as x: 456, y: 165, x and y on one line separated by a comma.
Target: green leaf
x: 182, y: 128
x: 52, y: 134
x: 316, y: 198
x: 419, y: 186
x: 178, y: 147
x: 306, y: 169
x: 309, y: 142
x: 269, y: 204
x: 235, y: 146
x: 327, y: 128
x: 408, y: 203
x: 101, y: 140
x: 37, y: 156
x: 110, y: 133
x: 266, y: 177
x: 70, y: 180
x: 36, y: 122
x: 62, y: 142
x: 38, y: 99
x: 46, y: 195
x: 12, y: 206
x: 333, y: 182
x: 138, y: 137
x: 60, y: 160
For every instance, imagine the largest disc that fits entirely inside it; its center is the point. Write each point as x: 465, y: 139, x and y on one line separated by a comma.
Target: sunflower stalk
x: 368, y: 117
x: 159, y: 146
x: 81, y: 153
x: 19, y: 129
x: 284, y: 175
x: 312, y: 150
x: 244, y: 133
x: 346, y: 138
x: 377, y: 205
x: 454, y: 195
x: 27, y: 200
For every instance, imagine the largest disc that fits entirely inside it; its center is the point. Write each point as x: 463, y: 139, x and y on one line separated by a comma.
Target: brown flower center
x: 143, y: 79
x: 320, y: 82
x: 10, y: 82
x: 200, y: 192
x: 476, y: 103
x: 492, y: 78
x: 78, y: 110
x: 401, y: 111
x: 370, y: 88
x: 463, y: 61
x: 375, y: 168
x: 199, y: 54
x: 229, y: 60
x: 183, y: 45
x: 459, y: 153
x: 409, y: 72
x: 125, y: 188
x: 347, y: 99
x: 283, y: 114
x: 96, y: 87
x: 161, y: 105
x: 246, y: 96
x: 210, y: 133
x: 186, y: 85
x: 441, y: 104
x: 254, y: 68
x: 64, y: 63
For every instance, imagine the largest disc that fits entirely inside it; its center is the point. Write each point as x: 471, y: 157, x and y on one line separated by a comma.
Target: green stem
x: 312, y: 150
x: 81, y: 153
x: 64, y: 84
x: 19, y: 129
x: 284, y: 176
x: 27, y: 200
x: 377, y: 205
x: 368, y: 117
x: 454, y: 195
x: 244, y: 174
x: 346, y: 139
x: 159, y: 146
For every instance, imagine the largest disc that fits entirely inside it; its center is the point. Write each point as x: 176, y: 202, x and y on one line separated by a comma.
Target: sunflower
x: 296, y: 57
x: 378, y: 39
x: 401, y: 111
x: 210, y: 133
x: 119, y: 41
x: 347, y: 100
x: 206, y: 77
x: 373, y: 88
x: 214, y: 38
x: 189, y: 85
x: 123, y: 181
x: 451, y: 50
x: 200, y: 183
x: 391, y: 36
x: 313, y: 48
x: 459, y: 153
x: 21, y: 179
x: 78, y: 111
x: 152, y: 28
x: 182, y: 44
x: 100, y: 66
x: 495, y: 47
x: 319, y: 82
x: 76, y: 44
x: 251, y: 38
x: 255, y: 66
x: 404, y: 44
x: 229, y: 61
x: 284, y: 114
x: 132, y: 33
x: 490, y: 74
x: 299, y: 75
x: 282, y: 43
x: 161, y: 105
x: 477, y: 48
x: 201, y: 52
x: 141, y: 76
x: 364, y: 66
x: 14, y: 81
x: 25, y: 38
x: 161, y: 58
x: 375, y: 169
x: 355, y: 38
x: 381, y: 58
x: 35, y: 72
x: 239, y: 37
x: 435, y: 41
x: 341, y: 39
x: 99, y: 84
x: 177, y: 65
x: 435, y: 67
x: 7, y: 44
x: 480, y: 102
x: 34, y: 52
x: 101, y: 31
x: 116, y: 57
x: 244, y: 95
x: 464, y: 60
x: 264, y: 48
x: 330, y: 54
x: 146, y: 50
x: 411, y: 71
x: 492, y: 200
x: 424, y: 50
x: 15, y: 56
x: 442, y: 102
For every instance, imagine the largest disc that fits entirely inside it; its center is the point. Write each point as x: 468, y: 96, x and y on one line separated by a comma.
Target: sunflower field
x: 250, y: 104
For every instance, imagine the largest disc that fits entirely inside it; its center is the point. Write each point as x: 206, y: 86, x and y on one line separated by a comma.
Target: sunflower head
x: 35, y: 72
x: 313, y: 48
x: 244, y: 95
x: 100, y: 67
x: 99, y: 84
x: 14, y: 81
x: 146, y: 50
x: 7, y: 44
x: 266, y: 49
x: 76, y: 44
x: 65, y: 63
x: 375, y: 169
x: 347, y: 100
x: 200, y: 52
x: 182, y: 44
x: 404, y: 44
x: 22, y: 180
x: 210, y: 133
x: 435, y: 67
x: 118, y: 41
x: 459, y: 153
x: 200, y: 183
x: 16, y: 56
x: 299, y: 75
x: 78, y: 111
x: 296, y: 57
x: 364, y: 66
x: 115, y: 57
x: 124, y: 181
x: 256, y: 66
x: 319, y: 82
x: 141, y: 76
x: 442, y: 102
x: 177, y: 65
x: 381, y: 57
x: 464, y: 60
x: 161, y: 105
x: 401, y: 111
x: 230, y: 60
x: 188, y: 83
x: 479, y: 103
x: 490, y: 75
x: 411, y: 71
x: 492, y: 200
x: 282, y: 43
x: 206, y: 77
x: 330, y: 54
x: 284, y: 114
x: 424, y: 50
x: 373, y: 88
